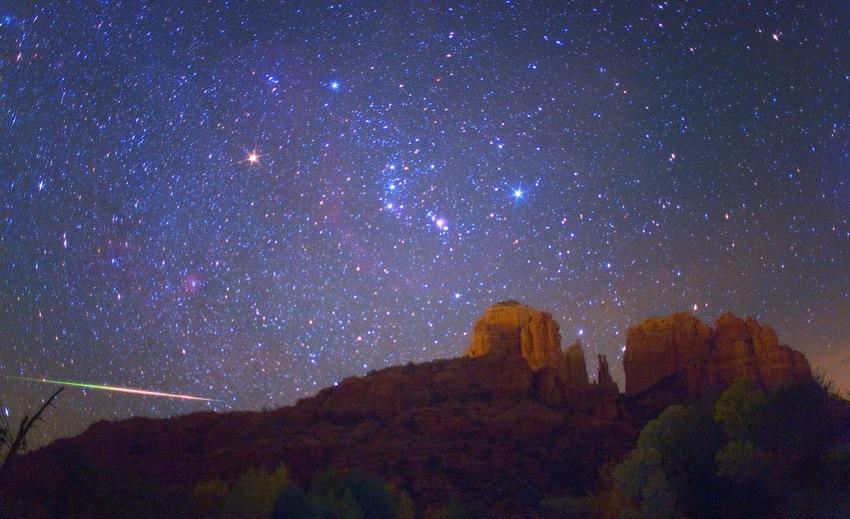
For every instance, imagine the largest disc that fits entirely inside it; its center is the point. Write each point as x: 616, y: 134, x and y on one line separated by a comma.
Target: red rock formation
x: 511, y: 326
x: 702, y: 359
x: 603, y: 377
x: 576, y: 368
x: 518, y: 414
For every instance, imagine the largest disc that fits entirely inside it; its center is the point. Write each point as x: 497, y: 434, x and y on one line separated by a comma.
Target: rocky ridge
x: 479, y: 429
x: 516, y: 413
x: 699, y: 359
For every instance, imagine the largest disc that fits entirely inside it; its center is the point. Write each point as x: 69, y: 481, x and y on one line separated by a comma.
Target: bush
x: 208, y: 496
x: 253, y: 495
x: 355, y: 494
x: 672, y: 470
x: 739, y: 461
x: 782, y: 453
x: 293, y: 504
x: 740, y: 410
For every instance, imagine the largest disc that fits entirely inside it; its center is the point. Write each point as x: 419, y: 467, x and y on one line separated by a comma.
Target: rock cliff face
x: 702, y: 359
x: 509, y: 327
x: 660, y: 346
x: 603, y: 377
x: 576, y: 368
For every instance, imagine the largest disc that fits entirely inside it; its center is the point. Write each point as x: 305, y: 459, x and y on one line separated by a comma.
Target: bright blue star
x: 334, y: 85
x: 518, y: 192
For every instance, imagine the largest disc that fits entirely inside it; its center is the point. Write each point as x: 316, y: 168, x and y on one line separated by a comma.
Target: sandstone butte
x: 509, y: 327
x: 699, y: 359
x: 678, y: 348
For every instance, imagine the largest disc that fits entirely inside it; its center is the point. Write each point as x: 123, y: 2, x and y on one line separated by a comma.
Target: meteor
x: 118, y: 389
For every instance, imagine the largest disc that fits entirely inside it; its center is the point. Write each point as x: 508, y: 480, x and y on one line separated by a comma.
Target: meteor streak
x: 132, y: 391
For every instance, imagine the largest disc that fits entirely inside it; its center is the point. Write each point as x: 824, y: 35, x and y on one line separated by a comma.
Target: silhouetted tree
x: 293, y: 503
x: 13, y: 445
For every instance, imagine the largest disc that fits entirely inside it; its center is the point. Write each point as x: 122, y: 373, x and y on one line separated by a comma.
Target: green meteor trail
x: 132, y: 391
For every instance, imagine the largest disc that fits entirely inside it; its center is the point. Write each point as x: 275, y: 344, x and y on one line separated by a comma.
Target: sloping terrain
x: 471, y: 429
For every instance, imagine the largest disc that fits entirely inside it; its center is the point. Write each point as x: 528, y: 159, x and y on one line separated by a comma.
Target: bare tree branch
x: 20, y: 440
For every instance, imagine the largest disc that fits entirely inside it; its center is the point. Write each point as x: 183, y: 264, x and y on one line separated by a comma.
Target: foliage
x: 457, y: 510
x: 355, y: 494
x: 208, y: 496
x: 656, y: 478
x: 783, y: 453
x: 739, y: 461
x: 293, y: 504
x: 740, y: 410
x: 251, y: 496
x: 332, y: 495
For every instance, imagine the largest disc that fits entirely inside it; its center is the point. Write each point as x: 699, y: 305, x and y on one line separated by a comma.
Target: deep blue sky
x: 413, y: 163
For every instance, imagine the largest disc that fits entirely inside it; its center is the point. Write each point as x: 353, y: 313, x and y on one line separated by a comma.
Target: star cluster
x: 250, y: 201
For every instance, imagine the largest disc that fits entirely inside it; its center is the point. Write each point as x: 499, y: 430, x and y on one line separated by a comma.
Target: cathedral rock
x: 678, y: 349
x: 516, y: 412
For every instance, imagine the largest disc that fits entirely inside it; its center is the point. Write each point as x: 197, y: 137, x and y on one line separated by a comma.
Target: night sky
x: 250, y: 201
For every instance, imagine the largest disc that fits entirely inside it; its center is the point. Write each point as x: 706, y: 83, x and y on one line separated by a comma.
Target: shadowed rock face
x: 702, y: 359
x: 604, y: 378
x: 575, y: 364
x: 660, y: 346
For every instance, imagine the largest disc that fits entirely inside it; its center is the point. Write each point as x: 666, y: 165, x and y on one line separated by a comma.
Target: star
x: 395, y: 177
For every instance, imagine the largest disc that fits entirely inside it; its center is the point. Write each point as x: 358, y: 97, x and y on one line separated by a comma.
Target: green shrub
x: 253, y: 495
x: 293, y: 504
x: 208, y: 496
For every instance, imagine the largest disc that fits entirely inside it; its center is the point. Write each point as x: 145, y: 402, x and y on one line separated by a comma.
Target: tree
x: 671, y: 471
x: 355, y: 494
x: 253, y: 495
x: 457, y: 510
x: 17, y: 444
x: 208, y: 496
x: 293, y: 503
x: 740, y: 410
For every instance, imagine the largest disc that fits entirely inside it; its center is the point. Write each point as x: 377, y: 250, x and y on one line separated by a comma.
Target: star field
x: 250, y: 201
